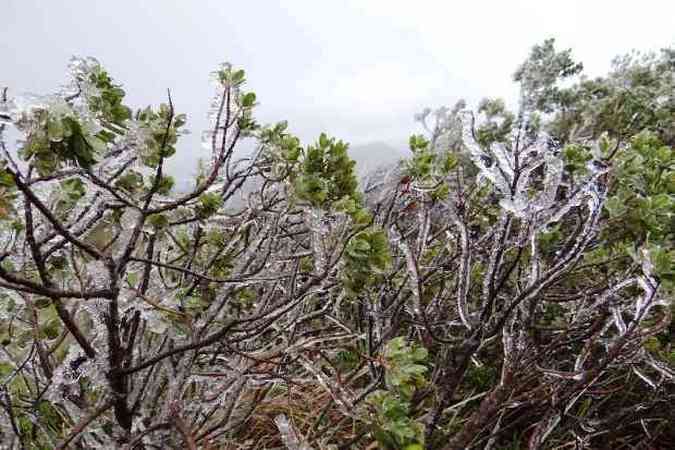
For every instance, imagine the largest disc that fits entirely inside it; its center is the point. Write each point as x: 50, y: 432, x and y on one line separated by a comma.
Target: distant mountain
x: 369, y: 157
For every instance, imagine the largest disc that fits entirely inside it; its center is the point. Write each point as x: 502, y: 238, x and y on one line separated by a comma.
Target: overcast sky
x: 356, y: 69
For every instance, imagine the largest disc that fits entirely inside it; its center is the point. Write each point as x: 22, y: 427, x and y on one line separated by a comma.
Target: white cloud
x: 357, y: 69
x: 375, y: 88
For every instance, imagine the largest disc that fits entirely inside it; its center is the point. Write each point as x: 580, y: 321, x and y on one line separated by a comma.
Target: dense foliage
x: 508, y: 286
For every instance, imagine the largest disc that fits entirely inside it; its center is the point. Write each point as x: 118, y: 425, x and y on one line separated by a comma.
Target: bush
x: 512, y: 287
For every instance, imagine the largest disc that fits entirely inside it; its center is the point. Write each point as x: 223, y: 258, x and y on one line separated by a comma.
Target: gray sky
x: 356, y: 69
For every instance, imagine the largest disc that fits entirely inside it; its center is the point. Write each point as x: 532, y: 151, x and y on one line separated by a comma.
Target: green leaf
x: 414, y: 447
x: 238, y: 77
x: 132, y: 279
x: 158, y: 221
x: 248, y: 100
x: 323, y: 140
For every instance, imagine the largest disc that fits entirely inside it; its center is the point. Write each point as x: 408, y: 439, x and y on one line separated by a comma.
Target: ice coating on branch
x: 648, y: 284
x: 343, y: 399
x: 81, y: 71
x: 317, y: 224
x: 23, y: 107
x: 414, y: 276
x: 644, y: 378
x: 11, y: 304
x: 662, y: 368
x: 289, y: 435
x: 446, y: 127
x: 77, y: 365
x: 488, y: 169
x: 222, y: 114
x: 6, y: 108
x: 42, y: 113
x: 42, y: 116
x: 515, y: 172
x: 463, y: 275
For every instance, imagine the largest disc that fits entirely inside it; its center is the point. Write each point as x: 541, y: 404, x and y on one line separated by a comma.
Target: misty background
x: 358, y: 70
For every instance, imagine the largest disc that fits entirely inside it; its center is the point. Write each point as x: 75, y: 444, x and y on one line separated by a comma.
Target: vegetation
x: 512, y: 287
